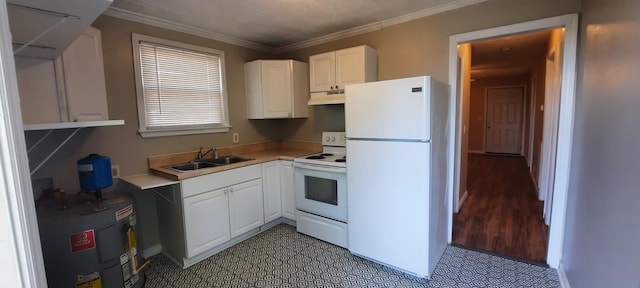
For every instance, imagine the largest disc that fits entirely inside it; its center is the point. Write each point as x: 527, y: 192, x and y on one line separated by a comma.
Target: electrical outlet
x: 236, y: 138
x: 115, y: 171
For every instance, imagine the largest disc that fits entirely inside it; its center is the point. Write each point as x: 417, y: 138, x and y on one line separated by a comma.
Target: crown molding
x: 452, y: 5
x: 170, y: 25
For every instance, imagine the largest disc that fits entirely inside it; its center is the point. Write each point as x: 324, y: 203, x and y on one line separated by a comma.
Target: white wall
x: 602, y: 240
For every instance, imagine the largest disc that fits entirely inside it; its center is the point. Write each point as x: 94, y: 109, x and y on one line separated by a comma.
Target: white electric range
x: 321, y: 191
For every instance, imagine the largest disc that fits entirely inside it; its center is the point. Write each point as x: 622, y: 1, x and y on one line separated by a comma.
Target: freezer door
x: 392, y: 109
x: 388, y: 203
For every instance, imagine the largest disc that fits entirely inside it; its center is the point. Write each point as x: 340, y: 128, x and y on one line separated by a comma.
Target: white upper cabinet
x: 330, y: 72
x: 69, y: 89
x: 322, y: 71
x: 276, y: 89
x: 84, y: 81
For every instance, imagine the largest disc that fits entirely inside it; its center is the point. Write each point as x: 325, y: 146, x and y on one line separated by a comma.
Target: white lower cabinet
x: 220, y: 209
x: 277, y: 181
x: 245, y: 207
x: 209, y: 213
x: 287, y: 190
x: 272, y: 190
x: 206, y: 219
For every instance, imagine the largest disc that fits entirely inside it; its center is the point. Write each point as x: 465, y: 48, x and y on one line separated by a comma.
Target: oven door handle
x: 319, y: 167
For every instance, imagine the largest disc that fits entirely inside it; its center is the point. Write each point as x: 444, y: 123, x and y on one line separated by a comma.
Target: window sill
x: 163, y: 133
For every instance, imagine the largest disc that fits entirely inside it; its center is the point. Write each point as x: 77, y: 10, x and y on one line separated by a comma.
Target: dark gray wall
x: 603, y: 216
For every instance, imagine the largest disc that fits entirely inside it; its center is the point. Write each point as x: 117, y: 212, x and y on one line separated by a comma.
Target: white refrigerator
x: 397, y: 137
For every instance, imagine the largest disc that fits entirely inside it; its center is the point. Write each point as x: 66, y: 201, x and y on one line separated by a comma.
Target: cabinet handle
x: 231, y: 189
x: 331, y: 87
x: 336, y: 86
x: 226, y: 191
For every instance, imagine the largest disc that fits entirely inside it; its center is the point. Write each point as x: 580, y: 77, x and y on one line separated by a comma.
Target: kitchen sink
x: 193, y: 166
x: 207, y: 163
x: 228, y: 160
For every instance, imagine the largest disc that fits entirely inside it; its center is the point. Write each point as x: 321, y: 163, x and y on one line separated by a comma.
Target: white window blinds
x: 180, y: 87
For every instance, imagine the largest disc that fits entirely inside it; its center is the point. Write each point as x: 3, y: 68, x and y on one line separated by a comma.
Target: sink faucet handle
x: 199, y: 156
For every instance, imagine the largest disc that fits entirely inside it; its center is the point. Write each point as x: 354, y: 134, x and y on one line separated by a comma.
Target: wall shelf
x: 71, y: 125
x: 60, y: 133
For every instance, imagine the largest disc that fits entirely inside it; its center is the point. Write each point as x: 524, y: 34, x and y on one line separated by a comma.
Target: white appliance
x: 321, y: 191
x: 397, y: 133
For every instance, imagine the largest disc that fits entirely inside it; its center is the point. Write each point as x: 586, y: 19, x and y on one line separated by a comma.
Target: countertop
x: 269, y: 152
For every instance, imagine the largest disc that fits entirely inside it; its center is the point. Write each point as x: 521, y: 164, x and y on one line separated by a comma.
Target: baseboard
x: 564, y: 281
x: 464, y: 197
x: 535, y: 184
x: 153, y: 250
x: 475, y: 152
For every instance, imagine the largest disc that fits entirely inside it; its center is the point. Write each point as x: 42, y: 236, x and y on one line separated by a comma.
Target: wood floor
x: 502, y: 213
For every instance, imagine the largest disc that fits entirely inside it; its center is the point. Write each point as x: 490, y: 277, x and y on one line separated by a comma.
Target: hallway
x: 502, y: 214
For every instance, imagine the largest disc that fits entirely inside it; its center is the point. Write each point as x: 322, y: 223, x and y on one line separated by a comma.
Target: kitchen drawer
x: 217, y: 180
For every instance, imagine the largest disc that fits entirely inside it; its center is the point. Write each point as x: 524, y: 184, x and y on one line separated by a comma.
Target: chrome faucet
x: 201, y: 155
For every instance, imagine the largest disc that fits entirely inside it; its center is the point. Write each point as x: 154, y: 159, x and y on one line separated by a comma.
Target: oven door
x: 321, y: 190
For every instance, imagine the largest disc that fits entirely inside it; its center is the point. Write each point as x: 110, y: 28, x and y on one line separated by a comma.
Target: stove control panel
x: 334, y: 139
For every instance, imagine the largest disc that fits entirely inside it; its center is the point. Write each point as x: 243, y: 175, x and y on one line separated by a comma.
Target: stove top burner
x: 341, y: 160
x: 325, y: 154
x: 315, y: 157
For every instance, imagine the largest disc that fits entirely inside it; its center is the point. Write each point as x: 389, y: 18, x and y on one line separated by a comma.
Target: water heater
x: 90, y: 243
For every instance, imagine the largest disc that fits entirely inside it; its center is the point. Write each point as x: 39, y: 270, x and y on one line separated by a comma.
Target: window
x: 180, y: 88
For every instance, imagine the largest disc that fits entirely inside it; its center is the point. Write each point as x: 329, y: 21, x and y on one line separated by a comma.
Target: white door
x: 272, y: 191
x: 504, y: 120
x: 322, y: 72
x: 245, y: 206
x: 206, y: 220
x: 287, y: 185
x: 349, y: 66
x: 276, y: 88
x: 392, y: 109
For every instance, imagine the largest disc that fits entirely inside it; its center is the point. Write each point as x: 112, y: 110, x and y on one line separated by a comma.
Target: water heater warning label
x: 82, y: 241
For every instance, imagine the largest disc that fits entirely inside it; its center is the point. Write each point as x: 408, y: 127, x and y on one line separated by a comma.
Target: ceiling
x: 510, y: 55
x: 275, y: 24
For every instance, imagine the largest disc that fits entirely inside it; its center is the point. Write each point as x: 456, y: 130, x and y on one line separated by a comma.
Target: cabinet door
x: 277, y: 89
x: 39, y: 102
x: 322, y: 72
x: 245, y: 206
x: 271, y: 189
x: 350, y: 66
x: 288, y: 190
x: 206, y: 219
x: 85, y: 87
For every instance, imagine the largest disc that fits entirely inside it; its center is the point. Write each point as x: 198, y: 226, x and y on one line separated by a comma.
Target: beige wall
x: 122, y: 143
x: 420, y: 47
x: 537, y: 92
x: 414, y: 48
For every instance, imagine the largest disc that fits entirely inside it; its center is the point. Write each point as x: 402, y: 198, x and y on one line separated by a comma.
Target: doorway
x: 502, y: 213
x: 565, y: 119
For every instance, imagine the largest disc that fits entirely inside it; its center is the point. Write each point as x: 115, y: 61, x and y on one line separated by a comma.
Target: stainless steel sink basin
x: 207, y: 163
x: 194, y: 166
x: 229, y: 160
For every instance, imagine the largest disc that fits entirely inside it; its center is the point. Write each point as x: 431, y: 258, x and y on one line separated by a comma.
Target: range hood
x: 45, y: 28
x: 325, y: 98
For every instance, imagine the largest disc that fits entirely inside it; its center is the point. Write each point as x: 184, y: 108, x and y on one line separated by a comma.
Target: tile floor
x: 281, y: 257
